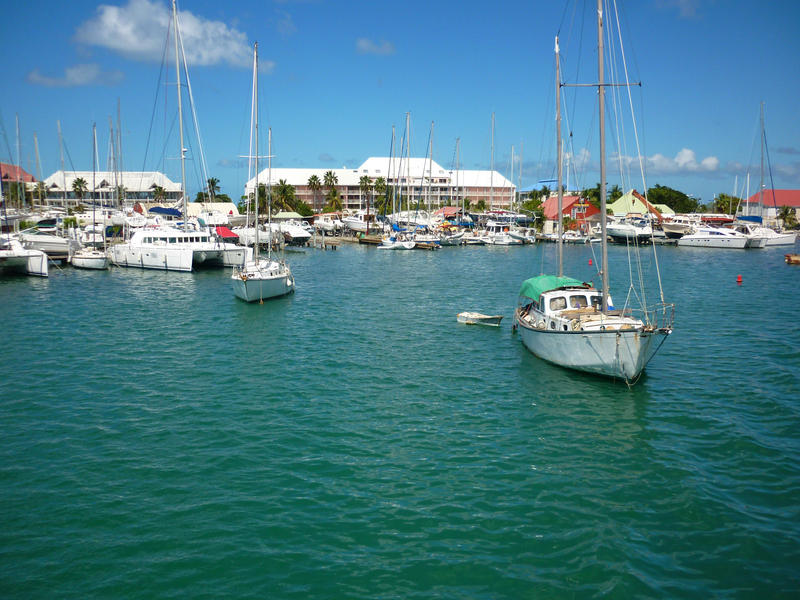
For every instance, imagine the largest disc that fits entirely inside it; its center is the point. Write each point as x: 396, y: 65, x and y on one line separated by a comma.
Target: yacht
x: 708, y: 236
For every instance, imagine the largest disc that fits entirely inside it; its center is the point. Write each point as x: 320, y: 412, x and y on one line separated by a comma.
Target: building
x: 633, y: 203
x: 773, y: 201
x: 572, y: 206
x: 15, y: 182
x: 418, y: 179
x: 136, y: 186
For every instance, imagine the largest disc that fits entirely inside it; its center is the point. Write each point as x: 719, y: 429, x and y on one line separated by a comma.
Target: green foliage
x: 677, y: 201
x: 333, y: 200
x: 725, y: 203
x: 69, y: 222
x: 481, y: 205
x: 789, y: 217
x: 315, y: 185
x: 80, y: 187
x: 160, y: 194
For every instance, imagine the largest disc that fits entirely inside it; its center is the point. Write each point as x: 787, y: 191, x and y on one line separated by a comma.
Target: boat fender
x: 244, y: 276
x: 576, y: 325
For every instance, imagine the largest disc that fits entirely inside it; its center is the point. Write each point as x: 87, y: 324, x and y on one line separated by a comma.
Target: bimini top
x: 536, y: 286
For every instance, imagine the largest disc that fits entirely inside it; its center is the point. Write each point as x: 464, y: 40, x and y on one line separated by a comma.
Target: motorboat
x: 630, y: 230
x: 755, y: 239
x: 679, y: 225
x: 328, y: 222
x: 708, y: 236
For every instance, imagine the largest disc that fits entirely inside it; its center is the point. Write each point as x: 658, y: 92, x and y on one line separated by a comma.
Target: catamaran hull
x: 176, y: 258
x: 31, y: 262
x: 618, y: 354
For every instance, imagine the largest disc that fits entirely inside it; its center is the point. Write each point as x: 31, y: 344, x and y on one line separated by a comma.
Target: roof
x: 550, y: 206
x: 632, y: 202
x: 287, y: 215
x: 536, y: 286
x: 15, y: 173
x: 134, y: 181
x: 195, y: 209
x: 377, y: 166
x: 777, y: 198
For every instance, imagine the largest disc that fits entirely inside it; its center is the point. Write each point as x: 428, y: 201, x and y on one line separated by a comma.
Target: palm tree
x: 334, y: 203
x: 285, y: 196
x: 121, y: 191
x: 381, y: 200
x: 80, y: 187
x: 788, y: 216
x: 213, y: 188
x: 315, y: 185
x: 41, y: 191
x: 159, y: 193
x: 365, y: 187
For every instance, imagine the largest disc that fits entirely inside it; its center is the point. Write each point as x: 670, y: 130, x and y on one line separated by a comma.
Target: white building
x: 101, y: 185
x: 418, y: 179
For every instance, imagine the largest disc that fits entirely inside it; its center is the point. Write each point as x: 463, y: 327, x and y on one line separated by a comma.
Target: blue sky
x: 336, y: 76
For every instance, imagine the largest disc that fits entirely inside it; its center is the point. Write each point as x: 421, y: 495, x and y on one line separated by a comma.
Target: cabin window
x: 173, y: 240
x: 559, y: 303
x: 578, y: 302
x: 597, y: 301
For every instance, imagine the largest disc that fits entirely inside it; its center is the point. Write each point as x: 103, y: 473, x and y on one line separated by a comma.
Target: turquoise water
x: 159, y: 438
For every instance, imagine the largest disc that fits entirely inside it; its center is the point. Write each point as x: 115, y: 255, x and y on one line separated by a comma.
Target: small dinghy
x: 792, y: 259
x: 476, y: 318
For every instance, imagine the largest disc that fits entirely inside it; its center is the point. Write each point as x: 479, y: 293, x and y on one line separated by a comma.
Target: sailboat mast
x: 269, y: 191
x: 491, y: 171
x: 61, y: 156
x: 255, y: 154
x: 601, y: 94
x: 559, y: 190
x: 94, y: 175
x: 38, y: 167
x: 180, y: 107
x: 761, y: 185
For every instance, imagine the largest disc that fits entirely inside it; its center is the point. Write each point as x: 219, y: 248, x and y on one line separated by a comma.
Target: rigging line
x: 155, y: 103
x: 203, y: 165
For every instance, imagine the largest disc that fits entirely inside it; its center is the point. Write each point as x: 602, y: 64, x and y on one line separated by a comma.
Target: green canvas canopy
x: 535, y: 286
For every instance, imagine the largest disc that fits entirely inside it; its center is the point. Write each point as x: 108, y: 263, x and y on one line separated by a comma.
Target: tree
x: 315, y: 185
x: 159, y: 193
x: 365, y: 187
x: 80, y: 187
x: 677, y: 201
x: 381, y: 198
x: 726, y: 203
x: 788, y: 216
x: 285, y: 198
x: 213, y: 188
x: 481, y: 205
x: 334, y: 202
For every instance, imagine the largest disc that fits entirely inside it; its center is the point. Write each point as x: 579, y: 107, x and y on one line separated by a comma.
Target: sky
x: 335, y: 77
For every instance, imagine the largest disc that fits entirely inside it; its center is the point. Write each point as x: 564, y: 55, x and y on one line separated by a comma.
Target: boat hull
x: 621, y: 354
x: 260, y: 282
x: 23, y: 260
x: 713, y: 242
x: 90, y: 260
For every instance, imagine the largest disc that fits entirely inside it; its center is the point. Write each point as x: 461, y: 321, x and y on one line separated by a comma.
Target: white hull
x: 90, y: 259
x: 261, y: 281
x: 16, y: 259
x: 619, y: 354
x: 782, y: 239
x: 699, y: 241
x: 474, y: 318
x: 49, y: 243
x: 177, y: 257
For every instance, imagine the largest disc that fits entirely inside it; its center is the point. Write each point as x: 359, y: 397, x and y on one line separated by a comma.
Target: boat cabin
x: 170, y: 236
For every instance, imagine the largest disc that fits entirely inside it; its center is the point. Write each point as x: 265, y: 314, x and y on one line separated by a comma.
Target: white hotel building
x: 139, y: 187
x: 422, y: 181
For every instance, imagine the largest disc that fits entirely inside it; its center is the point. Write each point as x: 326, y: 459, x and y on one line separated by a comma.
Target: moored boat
x: 476, y: 318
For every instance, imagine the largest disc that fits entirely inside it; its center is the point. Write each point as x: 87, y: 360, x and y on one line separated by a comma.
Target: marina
x: 372, y: 448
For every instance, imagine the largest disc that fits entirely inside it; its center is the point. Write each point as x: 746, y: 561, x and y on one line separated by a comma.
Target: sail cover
x: 536, y: 286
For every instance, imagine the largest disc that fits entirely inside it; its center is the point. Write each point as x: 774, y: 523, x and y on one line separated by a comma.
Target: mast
x: 255, y: 155
x: 61, y: 154
x: 601, y: 93
x: 269, y: 192
x: 38, y: 167
x: 559, y: 191
x: 180, y: 109
x: 94, y: 177
x: 20, y: 184
x: 458, y: 150
x: 761, y: 185
x: 491, y: 171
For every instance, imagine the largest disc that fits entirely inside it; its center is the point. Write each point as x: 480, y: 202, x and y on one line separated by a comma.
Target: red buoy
x: 738, y: 280
x: 590, y: 262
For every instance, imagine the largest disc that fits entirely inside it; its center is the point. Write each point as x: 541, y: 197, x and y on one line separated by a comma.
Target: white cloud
x: 88, y: 74
x: 366, y: 46
x: 137, y: 31
x: 684, y: 162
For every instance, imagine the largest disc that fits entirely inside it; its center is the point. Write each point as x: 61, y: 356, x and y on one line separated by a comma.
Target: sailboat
x: 91, y: 257
x: 258, y: 279
x: 572, y: 323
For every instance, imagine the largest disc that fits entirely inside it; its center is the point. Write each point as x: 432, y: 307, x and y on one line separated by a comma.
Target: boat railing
x: 658, y: 317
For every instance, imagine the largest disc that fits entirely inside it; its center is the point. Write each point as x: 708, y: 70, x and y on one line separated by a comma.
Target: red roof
x: 15, y: 173
x: 224, y: 232
x: 781, y: 198
x: 550, y: 207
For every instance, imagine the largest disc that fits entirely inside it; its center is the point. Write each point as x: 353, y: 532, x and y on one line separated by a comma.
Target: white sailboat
x: 90, y: 257
x: 573, y: 324
x: 258, y: 279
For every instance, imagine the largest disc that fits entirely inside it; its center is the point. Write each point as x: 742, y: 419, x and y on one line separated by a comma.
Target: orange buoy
x: 738, y: 280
